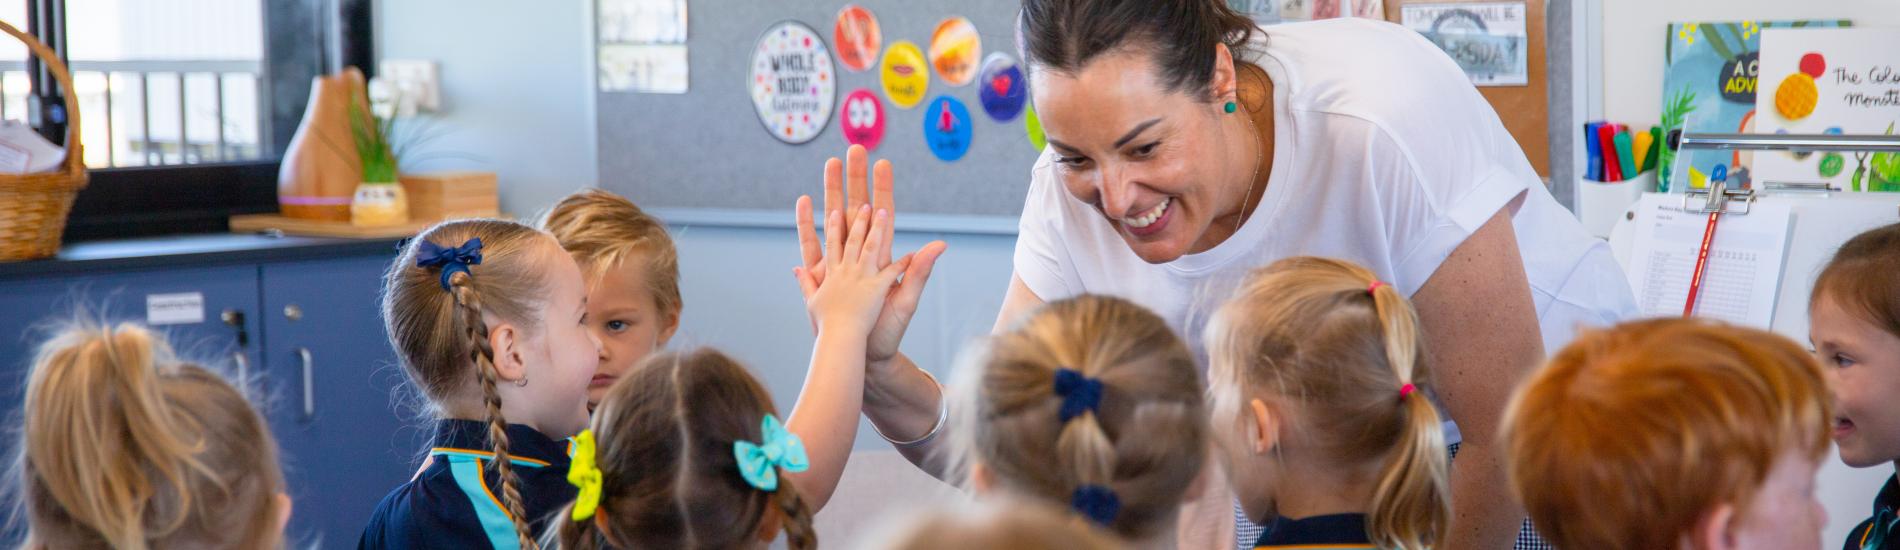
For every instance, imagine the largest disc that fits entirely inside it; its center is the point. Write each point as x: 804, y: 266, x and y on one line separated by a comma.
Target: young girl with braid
x: 1321, y: 413
x: 686, y: 450
x: 1093, y: 404
x: 487, y: 318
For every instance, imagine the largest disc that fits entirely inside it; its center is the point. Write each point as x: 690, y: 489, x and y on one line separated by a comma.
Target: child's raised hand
x: 853, y: 289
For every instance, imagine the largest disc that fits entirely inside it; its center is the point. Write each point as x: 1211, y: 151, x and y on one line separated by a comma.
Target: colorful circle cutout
x: 955, y: 50
x: 793, y: 84
x: 857, y: 37
x: 862, y: 119
x: 947, y: 128
x: 905, y: 76
x: 1001, y: 88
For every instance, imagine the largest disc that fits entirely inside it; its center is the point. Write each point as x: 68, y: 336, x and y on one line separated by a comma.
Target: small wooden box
x: 444, y: 195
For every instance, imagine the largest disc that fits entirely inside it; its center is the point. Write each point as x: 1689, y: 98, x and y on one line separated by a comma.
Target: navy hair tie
x: 1079, y: 393
x: 451, y: 260
x: 1097, y: 503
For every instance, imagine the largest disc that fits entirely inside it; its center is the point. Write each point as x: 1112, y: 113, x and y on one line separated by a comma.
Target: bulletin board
x: 1525, y: 110
x: 707, y: 148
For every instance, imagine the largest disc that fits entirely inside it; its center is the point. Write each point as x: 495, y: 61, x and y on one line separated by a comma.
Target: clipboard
x: 1769, y: 242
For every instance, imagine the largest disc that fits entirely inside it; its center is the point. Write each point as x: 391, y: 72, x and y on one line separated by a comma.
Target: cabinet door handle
x: 243, y: 368
x: 309, y: 385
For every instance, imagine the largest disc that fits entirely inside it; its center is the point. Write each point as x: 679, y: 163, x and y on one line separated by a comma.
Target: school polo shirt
x: 455, y: 501
x: 1334, y: 532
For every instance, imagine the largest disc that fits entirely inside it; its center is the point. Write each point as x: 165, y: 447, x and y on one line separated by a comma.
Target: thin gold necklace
x: 1258, y: 158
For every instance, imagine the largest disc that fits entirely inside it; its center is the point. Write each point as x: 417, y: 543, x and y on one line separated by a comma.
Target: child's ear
x: 505, y: 340
x: 669, y: 324
x: 981, y: 478
x: 1266, y: 426
x: 769, y: 524
x: 283, y: 512
x: 1715, y: 529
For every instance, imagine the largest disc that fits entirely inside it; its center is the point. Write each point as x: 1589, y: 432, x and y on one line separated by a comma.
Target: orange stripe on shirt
x: 491, y: 494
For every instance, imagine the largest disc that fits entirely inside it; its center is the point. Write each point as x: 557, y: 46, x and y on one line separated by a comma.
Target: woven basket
x: 33, y: 207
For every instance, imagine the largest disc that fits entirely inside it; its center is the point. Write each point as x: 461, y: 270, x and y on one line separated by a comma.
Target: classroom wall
x: 517, y: 91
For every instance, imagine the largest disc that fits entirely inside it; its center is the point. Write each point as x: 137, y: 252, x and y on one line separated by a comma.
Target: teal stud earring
x: 1231, y: 107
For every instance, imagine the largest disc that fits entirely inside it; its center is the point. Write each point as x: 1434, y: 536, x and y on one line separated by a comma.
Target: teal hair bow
x: 759, y: 463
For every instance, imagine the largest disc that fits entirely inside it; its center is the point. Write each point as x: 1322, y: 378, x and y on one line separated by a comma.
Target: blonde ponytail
x: 1411, y: 505
x: 127, y: 449
x: 1328, y: 335
x: 1084, y: 451
x: 1091, y: 404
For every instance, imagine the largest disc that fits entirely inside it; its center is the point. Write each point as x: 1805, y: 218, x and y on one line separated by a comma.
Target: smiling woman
x: 1188, y: 147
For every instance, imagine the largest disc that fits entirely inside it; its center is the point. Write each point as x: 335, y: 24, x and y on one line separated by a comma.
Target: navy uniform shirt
x: 1334, y: 532
x: 1877, y: 533
x: 455, y: 501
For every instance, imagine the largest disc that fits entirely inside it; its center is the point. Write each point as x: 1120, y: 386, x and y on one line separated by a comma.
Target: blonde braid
x: 484, y: 358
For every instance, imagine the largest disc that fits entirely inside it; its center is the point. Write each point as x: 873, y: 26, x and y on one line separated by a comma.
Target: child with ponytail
x: 1093, y: 404
x: 1321, y: 413
x: 487, y: 318
x: 126, y: 447
x: 685, y: 450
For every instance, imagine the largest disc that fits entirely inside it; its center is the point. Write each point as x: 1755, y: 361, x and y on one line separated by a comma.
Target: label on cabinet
x: 181, y: 308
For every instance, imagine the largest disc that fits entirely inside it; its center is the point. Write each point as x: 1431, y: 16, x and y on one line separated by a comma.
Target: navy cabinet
x: 337, y: 384
x: 223, y: 335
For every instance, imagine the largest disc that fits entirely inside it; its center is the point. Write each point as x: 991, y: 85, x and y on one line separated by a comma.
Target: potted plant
x: 379, y: 200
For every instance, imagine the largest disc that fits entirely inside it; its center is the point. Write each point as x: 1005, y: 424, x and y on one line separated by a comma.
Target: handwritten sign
x: 793, y: 84
x: 1487, y: 39
x: 1820, y: 81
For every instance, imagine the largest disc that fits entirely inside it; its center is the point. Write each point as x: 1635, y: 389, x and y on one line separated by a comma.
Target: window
x: 185, y: 105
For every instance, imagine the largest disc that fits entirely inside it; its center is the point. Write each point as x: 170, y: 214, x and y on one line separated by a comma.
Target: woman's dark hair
x: 1178, y: 35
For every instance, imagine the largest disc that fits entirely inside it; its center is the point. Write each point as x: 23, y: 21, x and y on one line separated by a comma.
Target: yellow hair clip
x: 585, y: 474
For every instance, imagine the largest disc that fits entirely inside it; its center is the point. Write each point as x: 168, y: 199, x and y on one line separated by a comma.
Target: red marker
x: 1718, y: 182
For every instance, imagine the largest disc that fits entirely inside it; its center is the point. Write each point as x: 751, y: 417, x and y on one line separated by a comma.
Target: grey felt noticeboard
x: 707, y: 149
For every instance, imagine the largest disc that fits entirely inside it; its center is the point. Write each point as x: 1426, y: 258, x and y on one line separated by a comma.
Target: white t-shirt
x: 1384, y: 154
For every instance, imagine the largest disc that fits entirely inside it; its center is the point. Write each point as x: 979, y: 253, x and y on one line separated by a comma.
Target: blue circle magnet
x: 1001, y: 88
x: 947, y: 128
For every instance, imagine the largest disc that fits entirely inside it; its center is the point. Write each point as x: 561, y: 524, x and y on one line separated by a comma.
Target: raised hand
x: 859, y: 178
x: 856, y: 286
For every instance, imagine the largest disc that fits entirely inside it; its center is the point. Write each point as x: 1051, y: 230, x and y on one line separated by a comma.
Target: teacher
x: 1188, y: 146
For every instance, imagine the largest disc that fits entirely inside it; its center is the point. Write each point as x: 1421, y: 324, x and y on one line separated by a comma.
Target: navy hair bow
x: 1079, y: 393
x: 450, y: 260
x: 1097, y: 503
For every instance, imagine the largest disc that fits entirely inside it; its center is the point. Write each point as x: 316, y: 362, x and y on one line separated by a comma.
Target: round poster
x: 905, y: 77
x: 1001, y: 87
x: 947, y: 128
x: 857, y: 38
x: 792, y: 82
x: 862, y: 119
x: 1033, y: 127
x: 955, y: 50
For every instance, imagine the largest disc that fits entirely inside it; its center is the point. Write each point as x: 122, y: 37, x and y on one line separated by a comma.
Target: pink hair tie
x: 1374, y: 288
x: 1406, y: 390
